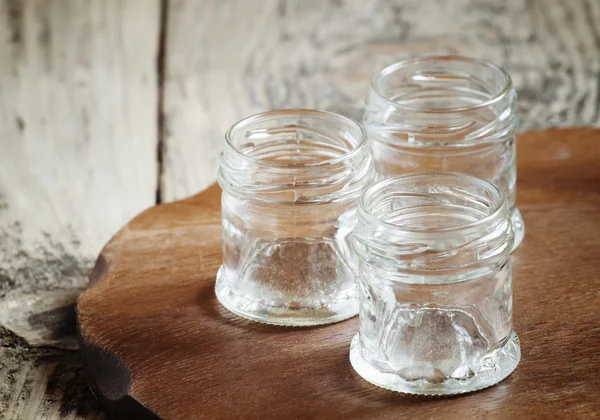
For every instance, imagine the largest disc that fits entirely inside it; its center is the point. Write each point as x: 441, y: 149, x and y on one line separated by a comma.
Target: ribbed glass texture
x: 445, y: 114
x: 435, y: 285
x: 290, y: 183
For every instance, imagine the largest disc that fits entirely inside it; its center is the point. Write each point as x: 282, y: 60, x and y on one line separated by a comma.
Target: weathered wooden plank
x: 78, y: 133
x: 43, y: 384
x: 78, y: 137
x: 230, y: 58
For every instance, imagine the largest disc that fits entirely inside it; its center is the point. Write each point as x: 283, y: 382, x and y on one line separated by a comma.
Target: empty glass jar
x: 290, y: 182
x: 435, y: 285
x: 445, y: 114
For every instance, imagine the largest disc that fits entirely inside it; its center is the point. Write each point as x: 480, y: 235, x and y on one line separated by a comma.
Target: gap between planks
x: 160, y: 69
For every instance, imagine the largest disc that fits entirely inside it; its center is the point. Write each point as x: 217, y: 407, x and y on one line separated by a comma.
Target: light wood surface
x: 177, y: 352
x: 107, y: 107
x: 78, y: 104
x: 229, y: 59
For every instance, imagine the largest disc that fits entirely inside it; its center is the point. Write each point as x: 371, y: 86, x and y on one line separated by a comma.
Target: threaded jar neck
x: 433, y: 227
x: 296, y: 156
x: 445, y: 102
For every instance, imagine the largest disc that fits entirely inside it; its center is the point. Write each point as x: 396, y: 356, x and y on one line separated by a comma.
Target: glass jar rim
x: 246, y: 122
x: 498, y: 205
x: 388, y: 70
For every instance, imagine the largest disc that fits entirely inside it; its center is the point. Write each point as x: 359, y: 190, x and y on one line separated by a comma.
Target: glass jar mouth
x: 371, y: 199
x: 357, y: 143
x: 297, y: 156
x: 378, y: 79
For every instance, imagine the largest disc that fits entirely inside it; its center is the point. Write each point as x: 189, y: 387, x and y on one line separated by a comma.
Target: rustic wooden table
x: 108, y: 107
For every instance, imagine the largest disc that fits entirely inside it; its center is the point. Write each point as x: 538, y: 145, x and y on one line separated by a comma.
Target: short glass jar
x: 290, y: 181
x: 448, y: 113
x: 435, y: 285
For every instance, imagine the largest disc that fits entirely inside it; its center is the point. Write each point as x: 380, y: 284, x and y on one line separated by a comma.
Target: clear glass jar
x: 450, y: 113
x: 290, y: 181
x: 435, y: 285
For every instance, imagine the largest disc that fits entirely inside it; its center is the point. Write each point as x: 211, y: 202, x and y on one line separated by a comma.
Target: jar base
x: 518, y: 227
x: 303, y: 317
x: 508, y: 359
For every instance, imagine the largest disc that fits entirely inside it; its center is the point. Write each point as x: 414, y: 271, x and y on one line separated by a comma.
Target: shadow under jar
x: 290, y: 181
x: 449, y: 113
x: 435, y: 285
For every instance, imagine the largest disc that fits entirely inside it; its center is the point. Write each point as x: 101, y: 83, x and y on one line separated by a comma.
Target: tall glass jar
x: 290, y: 182
x: 445, y: 114
x: 435, y: 285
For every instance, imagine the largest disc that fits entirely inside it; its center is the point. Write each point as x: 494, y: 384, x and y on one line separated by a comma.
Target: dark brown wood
x: 156, y: 340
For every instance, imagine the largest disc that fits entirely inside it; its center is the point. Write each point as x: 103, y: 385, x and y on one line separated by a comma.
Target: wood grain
x: 227, y: 59
x: 44, y: 384
x: 153, y: 332
x: 78, y: 137
x: 79, y: 90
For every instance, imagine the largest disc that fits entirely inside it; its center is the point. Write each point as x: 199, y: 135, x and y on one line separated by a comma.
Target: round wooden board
x: 157, y: 344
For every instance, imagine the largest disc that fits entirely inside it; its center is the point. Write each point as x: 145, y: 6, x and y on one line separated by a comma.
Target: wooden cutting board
x: 157, y: 344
